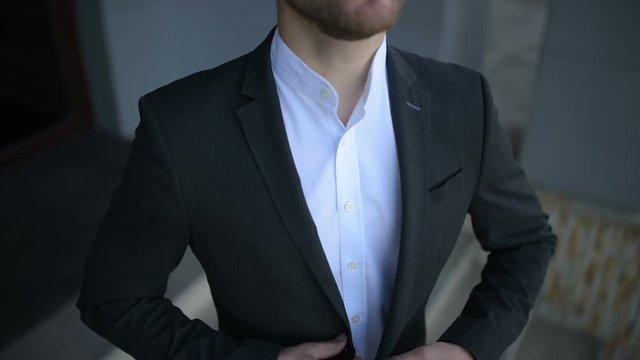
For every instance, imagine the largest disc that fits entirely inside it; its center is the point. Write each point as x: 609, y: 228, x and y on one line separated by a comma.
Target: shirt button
x: 349, y: 206
x: 355, y: 319
x: 352, y: 265
x: 325, y: 93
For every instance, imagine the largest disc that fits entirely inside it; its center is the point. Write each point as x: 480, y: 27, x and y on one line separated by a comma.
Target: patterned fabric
x: 593, y: 281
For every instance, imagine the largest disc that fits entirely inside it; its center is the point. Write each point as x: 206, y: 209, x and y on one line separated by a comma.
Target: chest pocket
x: 446, y: 186
x: 446, y: 204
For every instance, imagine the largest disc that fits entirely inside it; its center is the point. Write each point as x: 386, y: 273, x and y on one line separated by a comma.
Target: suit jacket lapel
x: 261, y: 121
x: 425, y: 158
x: 410, y: 115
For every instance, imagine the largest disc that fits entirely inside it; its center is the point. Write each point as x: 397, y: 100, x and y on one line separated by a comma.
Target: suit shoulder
x: 194, y: 87
x: 441, y: 74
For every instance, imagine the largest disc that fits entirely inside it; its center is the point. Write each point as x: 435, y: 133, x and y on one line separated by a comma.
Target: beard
x: 349, y: 19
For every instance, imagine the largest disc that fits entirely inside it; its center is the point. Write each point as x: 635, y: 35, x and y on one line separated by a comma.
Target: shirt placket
x: 352, y: 261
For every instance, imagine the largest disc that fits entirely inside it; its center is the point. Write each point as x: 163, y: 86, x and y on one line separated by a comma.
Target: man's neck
x: 345, y: 64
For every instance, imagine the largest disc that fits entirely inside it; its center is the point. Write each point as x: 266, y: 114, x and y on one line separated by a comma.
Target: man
x: 321, y: 181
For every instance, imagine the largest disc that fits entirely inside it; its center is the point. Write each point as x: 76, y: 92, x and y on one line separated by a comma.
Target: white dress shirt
x: 351, y: 184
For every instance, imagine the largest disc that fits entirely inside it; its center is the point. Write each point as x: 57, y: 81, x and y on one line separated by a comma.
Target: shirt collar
x: 289, y: 68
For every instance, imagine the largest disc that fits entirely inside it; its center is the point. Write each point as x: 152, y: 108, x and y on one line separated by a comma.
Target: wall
x: 96, y: 65
x: 133, y: 47
x: 583, y: 137
x: 511, y: 60
x: 464, y: 32
x: 419, y: 28
x: 152, y: 42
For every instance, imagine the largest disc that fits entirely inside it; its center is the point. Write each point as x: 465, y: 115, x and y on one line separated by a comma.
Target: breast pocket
x: 448, y: 186
x: 447, y: 202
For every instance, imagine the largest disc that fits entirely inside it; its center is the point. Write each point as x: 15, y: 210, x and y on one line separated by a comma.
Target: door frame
x: 62, y: 22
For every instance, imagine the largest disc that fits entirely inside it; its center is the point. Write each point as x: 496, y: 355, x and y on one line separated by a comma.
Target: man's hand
x: 314, y: 350
x: 436, y: 351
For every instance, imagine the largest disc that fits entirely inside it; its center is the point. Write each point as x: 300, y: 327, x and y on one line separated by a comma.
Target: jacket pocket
x: 445, y: 180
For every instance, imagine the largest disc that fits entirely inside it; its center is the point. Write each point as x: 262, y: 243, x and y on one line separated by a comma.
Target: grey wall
x: 583, y: 137
x: 152, y: 42
x: 512, y: 56
x: 419, y: 27
x: 96, y: 65
x: 133, y: 47
x: 464, y: 32
x: 452, y: 31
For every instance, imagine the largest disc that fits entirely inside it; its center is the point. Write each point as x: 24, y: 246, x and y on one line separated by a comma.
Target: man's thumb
x: 330, y: 348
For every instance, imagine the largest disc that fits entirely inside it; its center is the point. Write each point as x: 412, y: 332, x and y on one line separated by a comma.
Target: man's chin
x: 354, y: 30
x: 350, y: 35
x: 352, y: 20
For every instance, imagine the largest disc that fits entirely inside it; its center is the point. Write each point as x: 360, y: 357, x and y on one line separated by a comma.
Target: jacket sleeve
x: 510, y: 224
x: 140, y: 241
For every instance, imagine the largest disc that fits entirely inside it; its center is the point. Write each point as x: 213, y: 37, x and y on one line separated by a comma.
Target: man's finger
x: 327, y: 349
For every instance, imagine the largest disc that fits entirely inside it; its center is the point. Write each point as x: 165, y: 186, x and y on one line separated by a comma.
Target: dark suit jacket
x: 211, y: 168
